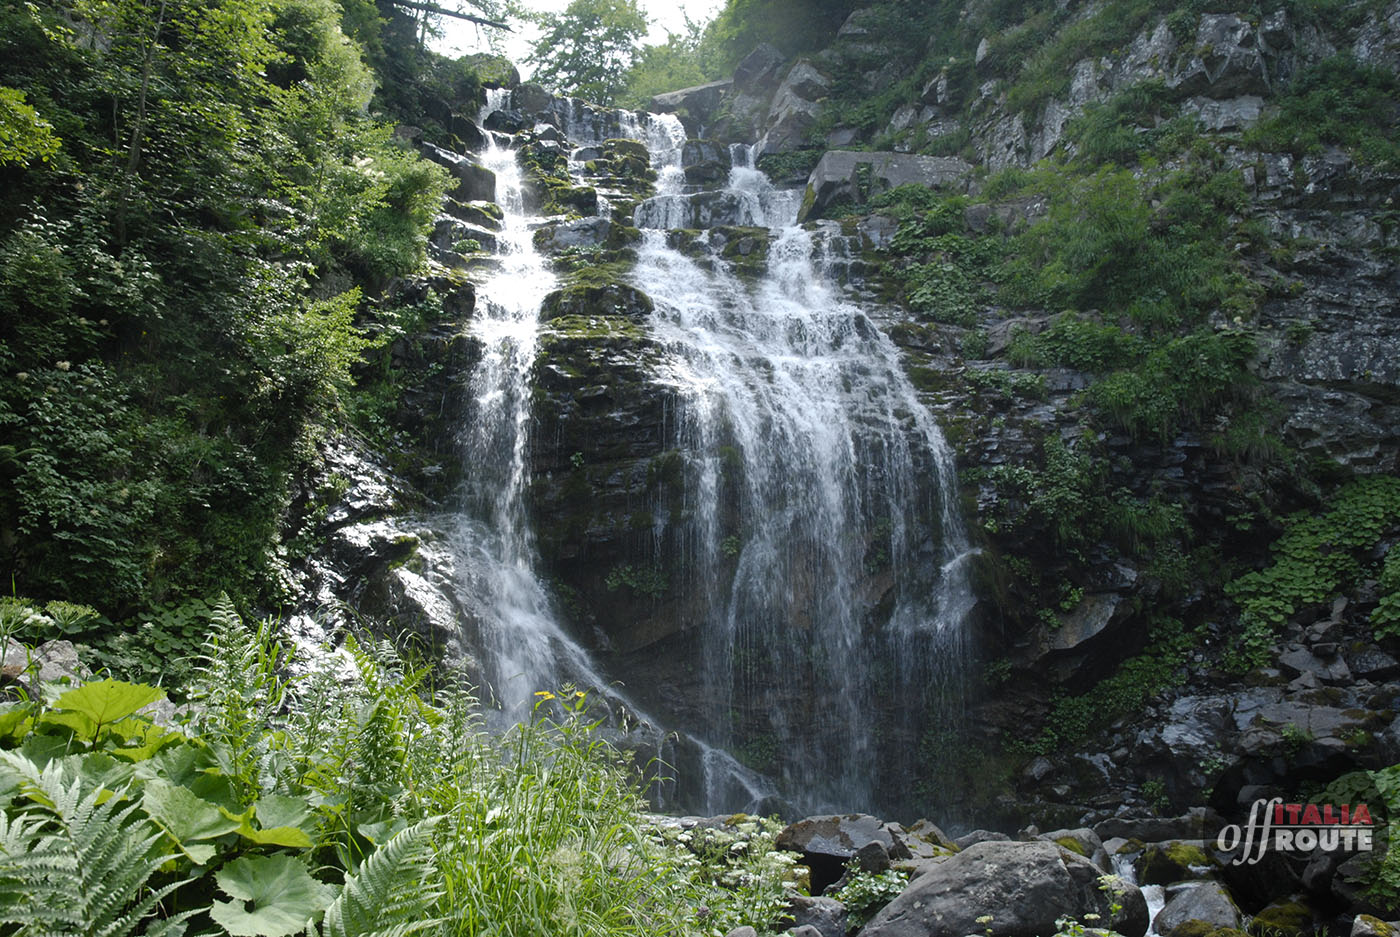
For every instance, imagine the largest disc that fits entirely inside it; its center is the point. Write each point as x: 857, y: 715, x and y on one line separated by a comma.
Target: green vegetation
x: 178, y: 313
x: 865, y: 893
x: 1137, y: 681
x: 1318, y: 555
x: 588, y: 49
x: 1340, y: 102
x: 358, y: 799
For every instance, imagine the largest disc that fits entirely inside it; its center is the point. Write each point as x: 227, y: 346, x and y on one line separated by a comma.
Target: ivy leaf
x: 274, y: 896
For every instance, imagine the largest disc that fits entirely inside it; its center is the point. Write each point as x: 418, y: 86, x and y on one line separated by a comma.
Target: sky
x: 460, y: 36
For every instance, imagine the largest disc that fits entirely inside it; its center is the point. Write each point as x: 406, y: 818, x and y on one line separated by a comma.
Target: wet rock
x: 1207, y: 903
x: 474, y: 182
x: 1372, y: 663
x: 582, y: 232
x: 1178, y: 861
x: 1288, y: 917
x: 1023, y: 887
x: 700, y: 102
x: 612, y: 299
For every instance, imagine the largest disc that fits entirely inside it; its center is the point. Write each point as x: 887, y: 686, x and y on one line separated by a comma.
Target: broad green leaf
x: 77, y: 723
x: 14, y: 719
x: 186, y: 818
x: 108, y: 701
x: 276, y: 836
x: 278, y: 810
x: 274, y: 896
x: 143, y: 739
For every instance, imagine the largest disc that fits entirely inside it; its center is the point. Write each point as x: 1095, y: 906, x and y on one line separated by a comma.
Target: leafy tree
x: 24, y: 135
x: 587, y: 49
x: 682, y: 61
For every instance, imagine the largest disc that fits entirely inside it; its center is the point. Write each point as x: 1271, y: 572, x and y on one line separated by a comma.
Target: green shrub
x: 1341, y: 102
x: 1317, y: 555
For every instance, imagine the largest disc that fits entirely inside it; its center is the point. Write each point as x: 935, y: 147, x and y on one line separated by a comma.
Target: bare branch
x: 434, y: 8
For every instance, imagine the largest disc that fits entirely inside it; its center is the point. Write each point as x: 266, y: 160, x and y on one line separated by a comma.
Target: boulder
x: 924, y: 839
x: 827, y: 843
x: 474, y: 183
x: 1207, y: 903
x: 1287, y: 917
x: 1083, y: 842
x: 1365, y: 925
x: 1178, y: 861
x: 612, y: 299
x: 1024, y: 888
x: 840, y: 174
x: 700, y: 102
x: 980, y: 836
x: 758, y: 68
x: 825, y: 915
x: 582, y: 232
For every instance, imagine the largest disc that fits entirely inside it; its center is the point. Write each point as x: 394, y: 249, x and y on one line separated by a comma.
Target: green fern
x: 389, y: 894
x: 78, y: 863
x: 238, y: 689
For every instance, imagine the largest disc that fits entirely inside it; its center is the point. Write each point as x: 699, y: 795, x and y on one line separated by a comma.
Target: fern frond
x: 390, y: 893
x: 86, y: 862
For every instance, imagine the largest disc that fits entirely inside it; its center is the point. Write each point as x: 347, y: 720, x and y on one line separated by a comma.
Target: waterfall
x: 821, y: 534
x: 826, y: 539
x: 523, y: 647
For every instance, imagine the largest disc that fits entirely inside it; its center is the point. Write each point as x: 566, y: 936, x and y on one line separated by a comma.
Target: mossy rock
x: 1369, y: 925
x: 493, y: 70
x: 1204, y: 929
x: 1290, y: 917
x: 563, y: 199
x: 1073, y: 845
x: 483, y: 214
x: 619, y: 149
x: 593, y: 330
x: 1164, y: 863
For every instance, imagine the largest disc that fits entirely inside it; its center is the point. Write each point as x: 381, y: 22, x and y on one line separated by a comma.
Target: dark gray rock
x: 582, y: 232
x: 839, y: 174
x: 1023, y: 887
x: 474, y: 183
x: 980, y: 836
x: 758, y: 68
x: 826, y: 916
x: 1208, y: 902
x: 700, y: 102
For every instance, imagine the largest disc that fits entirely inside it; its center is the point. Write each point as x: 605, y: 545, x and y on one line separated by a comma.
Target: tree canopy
x: 588, y: 49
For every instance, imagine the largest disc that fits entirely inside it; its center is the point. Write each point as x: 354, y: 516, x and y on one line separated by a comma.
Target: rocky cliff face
x: 610, y: 500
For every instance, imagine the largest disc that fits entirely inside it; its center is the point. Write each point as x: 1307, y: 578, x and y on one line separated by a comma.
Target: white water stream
x: 822, y: 529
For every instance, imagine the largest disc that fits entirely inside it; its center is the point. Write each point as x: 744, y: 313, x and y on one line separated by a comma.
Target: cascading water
x: 522, y: 643
x: 524, y: 649
x: 821, y: 537
x: 825, y: 543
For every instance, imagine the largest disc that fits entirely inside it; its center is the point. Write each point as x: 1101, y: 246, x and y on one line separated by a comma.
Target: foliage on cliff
x: 189, y: 228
